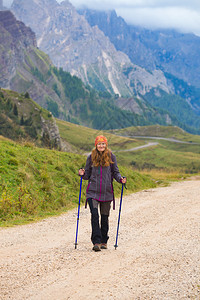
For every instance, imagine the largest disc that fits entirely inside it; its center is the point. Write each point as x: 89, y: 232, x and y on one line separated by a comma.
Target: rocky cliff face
x: 20, y: 33
x: 175, y: 55
x: 15, y: 37
x: 73, y: 45
x: 167, y: 50
x: 49, y: 129
x: 76, y: 46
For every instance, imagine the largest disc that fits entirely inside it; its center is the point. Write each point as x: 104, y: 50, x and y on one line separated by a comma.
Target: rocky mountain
x: 177, y: 55
x: 14, y: 38
x: 168, y: 50
x: 83, y: 50
x: 25, y: 68
x: 81, y: 47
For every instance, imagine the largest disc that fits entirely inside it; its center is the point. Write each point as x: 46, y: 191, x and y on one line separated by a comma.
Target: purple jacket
x: 100, y: 180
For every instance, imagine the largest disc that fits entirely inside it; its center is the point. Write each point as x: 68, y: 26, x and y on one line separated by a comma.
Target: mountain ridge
x: 150, y: 49
x: 69, y: 99
x: 58, y: 91
x: 175, y: 54
x: 84, y: 51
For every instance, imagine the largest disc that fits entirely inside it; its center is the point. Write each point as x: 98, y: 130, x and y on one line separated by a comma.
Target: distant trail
x: 132, y: 149
x: 137, y: 148
x: 157, y: 256
x: 160, y: 138
x: 149, y: 144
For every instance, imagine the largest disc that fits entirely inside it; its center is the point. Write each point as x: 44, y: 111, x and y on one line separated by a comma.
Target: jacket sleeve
x: 88, y: 168
x: 115, y: 170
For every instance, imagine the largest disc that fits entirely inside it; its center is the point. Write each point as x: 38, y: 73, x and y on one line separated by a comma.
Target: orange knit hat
x: 101, y: 139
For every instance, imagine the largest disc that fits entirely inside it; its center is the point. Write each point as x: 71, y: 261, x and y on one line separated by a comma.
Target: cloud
x: 193, y: 4
x: 182, y: 19
x: 182, y: 15
x: 7, y: 3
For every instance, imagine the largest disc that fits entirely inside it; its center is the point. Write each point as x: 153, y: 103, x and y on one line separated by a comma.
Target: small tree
x: 22, y: 120
x: 26, y: 95
x: 15, y: 110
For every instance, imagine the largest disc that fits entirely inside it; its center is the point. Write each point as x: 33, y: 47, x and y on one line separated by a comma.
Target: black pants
x: 99, y: 233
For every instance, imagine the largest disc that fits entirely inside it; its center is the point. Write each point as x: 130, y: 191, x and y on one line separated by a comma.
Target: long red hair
x: 102, y: 159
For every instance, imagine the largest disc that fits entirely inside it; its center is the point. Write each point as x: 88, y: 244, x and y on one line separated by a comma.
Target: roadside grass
x: 164, y: 178
x: 36, y: 183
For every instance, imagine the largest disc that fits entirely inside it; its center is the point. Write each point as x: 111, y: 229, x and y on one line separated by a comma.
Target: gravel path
x: 158, y: 255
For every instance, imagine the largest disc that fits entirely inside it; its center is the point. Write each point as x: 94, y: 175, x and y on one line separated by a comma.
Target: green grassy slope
x: 21, y: 117
x: 36, y: 182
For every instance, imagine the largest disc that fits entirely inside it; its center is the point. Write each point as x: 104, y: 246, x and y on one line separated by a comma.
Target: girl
x: 101, y: 167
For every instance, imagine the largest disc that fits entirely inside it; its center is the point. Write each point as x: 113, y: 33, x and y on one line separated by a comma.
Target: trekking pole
x: 120, y: 207
x: 79, y: 204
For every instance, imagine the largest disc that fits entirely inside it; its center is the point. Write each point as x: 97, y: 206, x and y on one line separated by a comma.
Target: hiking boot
x: 97, y: 247
x: 104, y: 246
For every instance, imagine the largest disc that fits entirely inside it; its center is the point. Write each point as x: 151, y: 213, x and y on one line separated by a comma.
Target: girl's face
x: 101, y: 147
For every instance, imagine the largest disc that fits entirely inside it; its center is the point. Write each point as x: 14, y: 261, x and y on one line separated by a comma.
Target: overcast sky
x: 183, y: 15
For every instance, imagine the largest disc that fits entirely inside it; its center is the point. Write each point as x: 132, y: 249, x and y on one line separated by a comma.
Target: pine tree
x: 26, y: 95
x: 22, y: 121
x: 15, y: 110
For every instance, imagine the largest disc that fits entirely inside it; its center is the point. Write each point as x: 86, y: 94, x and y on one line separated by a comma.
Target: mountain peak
x: 36, y: 2
x: 15, y: 39
x: 17, y: 29
x: 73, y: 44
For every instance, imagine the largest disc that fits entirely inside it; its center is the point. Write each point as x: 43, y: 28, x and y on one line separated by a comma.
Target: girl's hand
x: 123, y: 180
x: 81, y: 172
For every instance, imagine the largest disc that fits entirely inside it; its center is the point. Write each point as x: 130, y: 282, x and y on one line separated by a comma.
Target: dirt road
x: 158, y: 255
